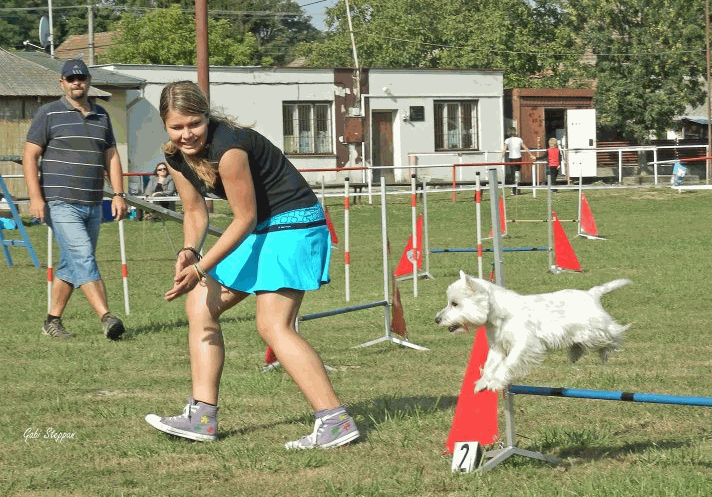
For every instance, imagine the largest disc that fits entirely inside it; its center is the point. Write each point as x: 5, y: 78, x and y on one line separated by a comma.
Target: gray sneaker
x: 55, y: 329
x: 199, y: 422
x: 330, y: 431
x: 113, y: 327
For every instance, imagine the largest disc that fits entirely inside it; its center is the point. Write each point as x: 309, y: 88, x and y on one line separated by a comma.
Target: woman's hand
x: 184, y: 282
x: 186, y: 276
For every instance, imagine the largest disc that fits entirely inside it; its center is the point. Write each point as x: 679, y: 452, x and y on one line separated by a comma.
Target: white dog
x: 521, y: 328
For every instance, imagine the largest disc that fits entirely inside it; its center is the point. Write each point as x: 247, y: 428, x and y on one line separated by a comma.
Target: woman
x: 161, y: 184
x: 276, y: 247
x: 553, y: 154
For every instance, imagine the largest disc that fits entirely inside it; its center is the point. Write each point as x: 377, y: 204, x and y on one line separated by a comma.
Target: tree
x: 277, y: 25
x: 649, y: 61
x: 530, y: 40
x: 167, y: 36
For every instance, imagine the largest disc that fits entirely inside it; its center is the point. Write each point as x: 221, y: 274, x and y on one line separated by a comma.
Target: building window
x: 456, y: 125
x: 307, y: 128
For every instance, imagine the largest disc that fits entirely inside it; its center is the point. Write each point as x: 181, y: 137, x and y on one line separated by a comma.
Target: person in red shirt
x: 554, y: 160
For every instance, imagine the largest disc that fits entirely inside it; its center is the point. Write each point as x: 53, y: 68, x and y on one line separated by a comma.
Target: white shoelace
x: 187, y: 411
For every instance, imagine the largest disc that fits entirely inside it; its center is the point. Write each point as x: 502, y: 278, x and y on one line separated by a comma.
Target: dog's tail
x: 598, y: 291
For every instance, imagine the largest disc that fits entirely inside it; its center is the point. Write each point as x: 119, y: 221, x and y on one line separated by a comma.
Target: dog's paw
x: 489, y: 384
x: 480, y: 385
x: 496, y: 386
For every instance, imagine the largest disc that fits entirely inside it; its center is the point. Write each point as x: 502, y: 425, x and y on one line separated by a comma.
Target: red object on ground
x: 565, y: 258
x: 475, y: 417
x: 405, y: 266
x: 588, y: 223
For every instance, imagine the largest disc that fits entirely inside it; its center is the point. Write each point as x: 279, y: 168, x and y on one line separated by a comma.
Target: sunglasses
x: 161, y: 169
x: 75, y: 77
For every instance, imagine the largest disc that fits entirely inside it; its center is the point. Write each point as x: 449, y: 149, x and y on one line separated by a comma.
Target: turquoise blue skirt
x: 289, y: 250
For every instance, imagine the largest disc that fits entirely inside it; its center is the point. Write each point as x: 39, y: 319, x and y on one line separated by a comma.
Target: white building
x: 399, y: 118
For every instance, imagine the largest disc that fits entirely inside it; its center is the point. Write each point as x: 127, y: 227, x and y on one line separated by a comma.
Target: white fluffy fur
x: 521, y: 328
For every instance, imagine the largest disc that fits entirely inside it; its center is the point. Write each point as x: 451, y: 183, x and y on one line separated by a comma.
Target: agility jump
x: 385, y: 303
x: 557, y: 241
x: 497, y: 456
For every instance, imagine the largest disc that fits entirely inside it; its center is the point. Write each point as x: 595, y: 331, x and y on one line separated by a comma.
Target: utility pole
x: 709, y: 93
x: 51, y: 30
x: 355, y: 110
x: 201, y: 44
x: 357, y: 86
x: 90, y: 32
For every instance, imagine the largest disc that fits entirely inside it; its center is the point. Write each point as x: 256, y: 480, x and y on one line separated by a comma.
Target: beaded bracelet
x: 191, y: 249
x: 201, y: 273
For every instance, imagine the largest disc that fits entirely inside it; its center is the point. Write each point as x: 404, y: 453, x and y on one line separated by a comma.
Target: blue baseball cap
x: 76, y: 66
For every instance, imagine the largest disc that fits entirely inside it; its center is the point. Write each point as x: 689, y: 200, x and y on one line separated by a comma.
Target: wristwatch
x: 120, y: 194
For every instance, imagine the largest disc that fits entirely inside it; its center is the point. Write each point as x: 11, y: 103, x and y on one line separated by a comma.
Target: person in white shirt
x: 514, y: 144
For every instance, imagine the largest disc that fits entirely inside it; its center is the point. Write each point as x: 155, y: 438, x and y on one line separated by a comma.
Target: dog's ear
x: 472, y: 283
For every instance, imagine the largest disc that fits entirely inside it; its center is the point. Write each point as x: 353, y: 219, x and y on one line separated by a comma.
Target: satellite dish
x: 44, y: 31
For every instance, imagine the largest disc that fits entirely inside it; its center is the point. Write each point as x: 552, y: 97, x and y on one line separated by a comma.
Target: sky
x: 315, y: 8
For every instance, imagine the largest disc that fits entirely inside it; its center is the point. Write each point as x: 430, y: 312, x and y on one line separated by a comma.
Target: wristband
x: 191, y: 249
x: 120, y: 194
x: 201, y: 273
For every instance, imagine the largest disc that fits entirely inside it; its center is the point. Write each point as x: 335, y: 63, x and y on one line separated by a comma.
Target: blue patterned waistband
x: 307, y: 217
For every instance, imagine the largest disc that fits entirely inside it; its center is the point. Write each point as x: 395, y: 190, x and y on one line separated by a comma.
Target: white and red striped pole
x: 347, y: 254
x: 414, y: 215
x: 50, y: 271
x: 124, y: 268
x: 478, y: 201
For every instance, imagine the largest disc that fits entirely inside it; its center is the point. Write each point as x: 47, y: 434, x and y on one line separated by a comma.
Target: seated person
x: 161, y: 185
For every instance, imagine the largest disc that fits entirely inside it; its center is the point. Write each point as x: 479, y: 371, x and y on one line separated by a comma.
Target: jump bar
x: 650, y: 398
x: 162, y: 212
x: 343, y: 310
x: 512, y: 249
x: 540, y: 220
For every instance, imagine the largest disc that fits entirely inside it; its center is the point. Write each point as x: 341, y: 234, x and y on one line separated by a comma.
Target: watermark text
x: 48, y: 434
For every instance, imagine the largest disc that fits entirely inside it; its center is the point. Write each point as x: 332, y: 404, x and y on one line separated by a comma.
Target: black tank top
x: 279, y: 186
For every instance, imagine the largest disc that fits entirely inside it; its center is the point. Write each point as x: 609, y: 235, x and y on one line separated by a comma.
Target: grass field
x: 98, y: 391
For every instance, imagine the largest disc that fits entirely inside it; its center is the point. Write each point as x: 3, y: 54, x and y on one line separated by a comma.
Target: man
x: 75, y: 141
x: 514, y: 144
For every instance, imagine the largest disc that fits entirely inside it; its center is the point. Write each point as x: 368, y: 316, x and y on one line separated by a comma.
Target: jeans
x: 76, y: 229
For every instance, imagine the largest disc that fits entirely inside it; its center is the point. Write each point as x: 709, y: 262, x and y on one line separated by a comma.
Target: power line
x: 265, y: 13
x: 312, y: 3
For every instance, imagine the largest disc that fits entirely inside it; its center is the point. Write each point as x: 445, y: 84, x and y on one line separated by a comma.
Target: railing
x: 624, y: 159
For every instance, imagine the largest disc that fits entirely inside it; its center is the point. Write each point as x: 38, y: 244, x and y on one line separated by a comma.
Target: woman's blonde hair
x: 187, y: 98
x: 552, y: 142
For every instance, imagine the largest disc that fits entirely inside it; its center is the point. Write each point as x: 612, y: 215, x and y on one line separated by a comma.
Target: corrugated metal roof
x: 22, y: 78
x: 99, y: 77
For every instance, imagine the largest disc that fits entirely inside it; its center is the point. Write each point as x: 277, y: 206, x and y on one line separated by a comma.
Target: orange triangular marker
x: 269, y: 356
x: 475, y: 417
x: 330, y: 225
x: 405, y: 266
x: 565, y: 258
x: 397, y: 319
x: 588, y: 223
x: 502, y: 219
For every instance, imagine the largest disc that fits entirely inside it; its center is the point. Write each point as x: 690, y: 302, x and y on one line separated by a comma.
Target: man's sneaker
x: 55, y: 329
x: 330, y: 431
x: 199, y: 422
x: 113, y: 327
